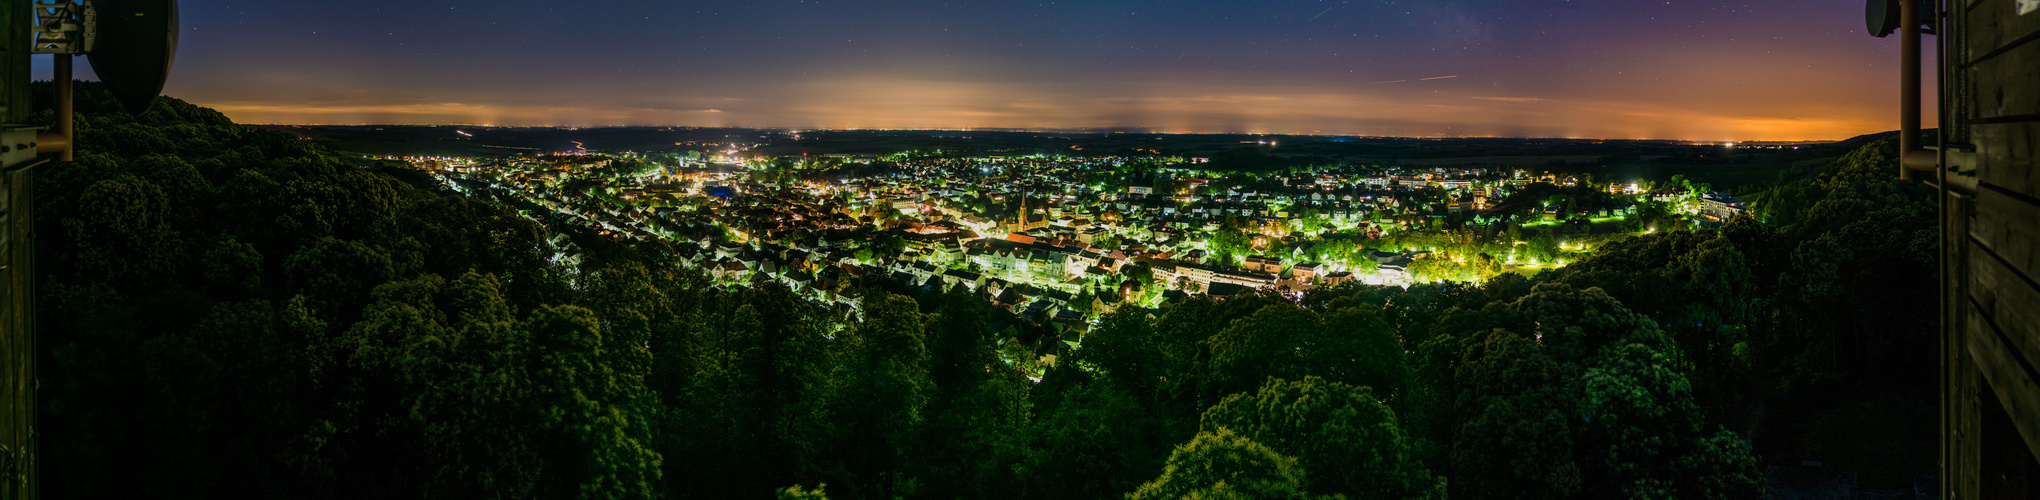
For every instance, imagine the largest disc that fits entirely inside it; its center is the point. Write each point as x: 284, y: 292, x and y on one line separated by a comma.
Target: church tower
x: 1020, y: 218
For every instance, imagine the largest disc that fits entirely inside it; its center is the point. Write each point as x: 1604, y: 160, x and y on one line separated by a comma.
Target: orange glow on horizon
x: 1693, y: 102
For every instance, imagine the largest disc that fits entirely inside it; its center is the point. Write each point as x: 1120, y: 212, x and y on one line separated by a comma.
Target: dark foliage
x: 228, y: 312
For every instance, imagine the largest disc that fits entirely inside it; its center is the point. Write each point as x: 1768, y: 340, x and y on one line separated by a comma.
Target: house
x: 1335, y: 279
x: 1668, y: 196
x: 906, y: 205
x: 1306, y: 271
x: 979, y: 224
x: 1071, y: 320
x: 1038, y: 312
x: 1270, y: 265
x: 1105, y: 302
x: 1293, y: 286
x: 1398, y: 270
x: 968, y: 279
x: 797, y: 280
x: 900, y: 277
x: 1720, y: 206
x: 732, y: 271
x: 1090, y: 236
x: 1224, y: 290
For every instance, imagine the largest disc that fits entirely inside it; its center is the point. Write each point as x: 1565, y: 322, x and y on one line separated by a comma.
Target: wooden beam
x: 2003, y: 83
x: 1960, y: 446
x: 2007, y: 154
x: 2009, y: 379
x: 1992, y: 25
x: 2008, y: 226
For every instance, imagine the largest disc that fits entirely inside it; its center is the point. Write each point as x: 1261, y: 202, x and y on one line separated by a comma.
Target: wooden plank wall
x: 17, y: 338
x: 17, y: 312
x: 1991, y: 309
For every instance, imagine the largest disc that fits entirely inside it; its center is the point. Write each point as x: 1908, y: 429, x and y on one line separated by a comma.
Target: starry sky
x: 1622, y: 69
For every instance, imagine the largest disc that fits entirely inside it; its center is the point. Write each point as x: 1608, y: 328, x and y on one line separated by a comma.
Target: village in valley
x: 1064, y: 240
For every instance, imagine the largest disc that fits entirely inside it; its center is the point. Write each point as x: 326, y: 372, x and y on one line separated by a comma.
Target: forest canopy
x: 228, y: 312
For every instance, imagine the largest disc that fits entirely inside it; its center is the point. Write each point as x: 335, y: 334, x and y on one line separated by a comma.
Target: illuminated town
x: 1068, y: 239
x: 935, y: 250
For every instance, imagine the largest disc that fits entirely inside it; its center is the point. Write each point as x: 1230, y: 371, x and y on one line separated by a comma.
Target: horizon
x: 987, y: 249
x: 1100, y: 132
x: 1707, y: 71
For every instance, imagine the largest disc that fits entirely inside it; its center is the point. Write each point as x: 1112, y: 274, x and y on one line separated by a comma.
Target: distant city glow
x: 1704, y: 70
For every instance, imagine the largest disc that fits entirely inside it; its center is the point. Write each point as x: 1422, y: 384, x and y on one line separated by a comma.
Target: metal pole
x: 63, y: 81
x: 1909, y: 83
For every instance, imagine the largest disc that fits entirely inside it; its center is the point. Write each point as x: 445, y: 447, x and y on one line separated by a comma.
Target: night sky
x: 1683, y: 69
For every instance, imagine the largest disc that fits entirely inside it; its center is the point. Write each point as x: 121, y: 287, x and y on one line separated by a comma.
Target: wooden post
x: 1908, y: 83
x: 63, y: 111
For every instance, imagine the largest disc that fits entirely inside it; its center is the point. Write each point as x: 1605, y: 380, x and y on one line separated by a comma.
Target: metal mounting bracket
x: 65, y: 26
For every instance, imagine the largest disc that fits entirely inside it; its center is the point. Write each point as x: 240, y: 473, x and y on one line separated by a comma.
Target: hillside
x: 233, y: 312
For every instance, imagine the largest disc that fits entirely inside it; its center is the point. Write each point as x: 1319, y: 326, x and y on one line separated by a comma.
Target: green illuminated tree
x: 880, y: 388
x: 1345, y: 439
x: 1222, y: 464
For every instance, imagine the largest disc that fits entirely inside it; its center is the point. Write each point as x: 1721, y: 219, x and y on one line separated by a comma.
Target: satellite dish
x: 1882, y: 16
x: 137, y: 42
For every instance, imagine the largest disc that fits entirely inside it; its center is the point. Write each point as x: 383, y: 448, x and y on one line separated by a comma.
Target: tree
x: 1515, y: 439
x: 1093, y: 439
x: 1345, y: 439
x: 1107, y: 242
x: 1139, y: 272
x: 1566, y: 392
x: 1227, y: 243
x: 1123, y: 352
x: 1222, y: 464
x: 796, y: 492
x: 336, y: 275
x: 979, y: 404
x: 1262, y: 345
x: 881, y: 387
x: 1695, y: 188
x: 124, y: 233
x: 598, y: 409
x: 233, y: 269
x: 231, y: 312
x: 1358, y: 347
x: 888, y: 245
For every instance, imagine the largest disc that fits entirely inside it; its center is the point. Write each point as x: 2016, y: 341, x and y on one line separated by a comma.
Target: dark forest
x: 229, y: 312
